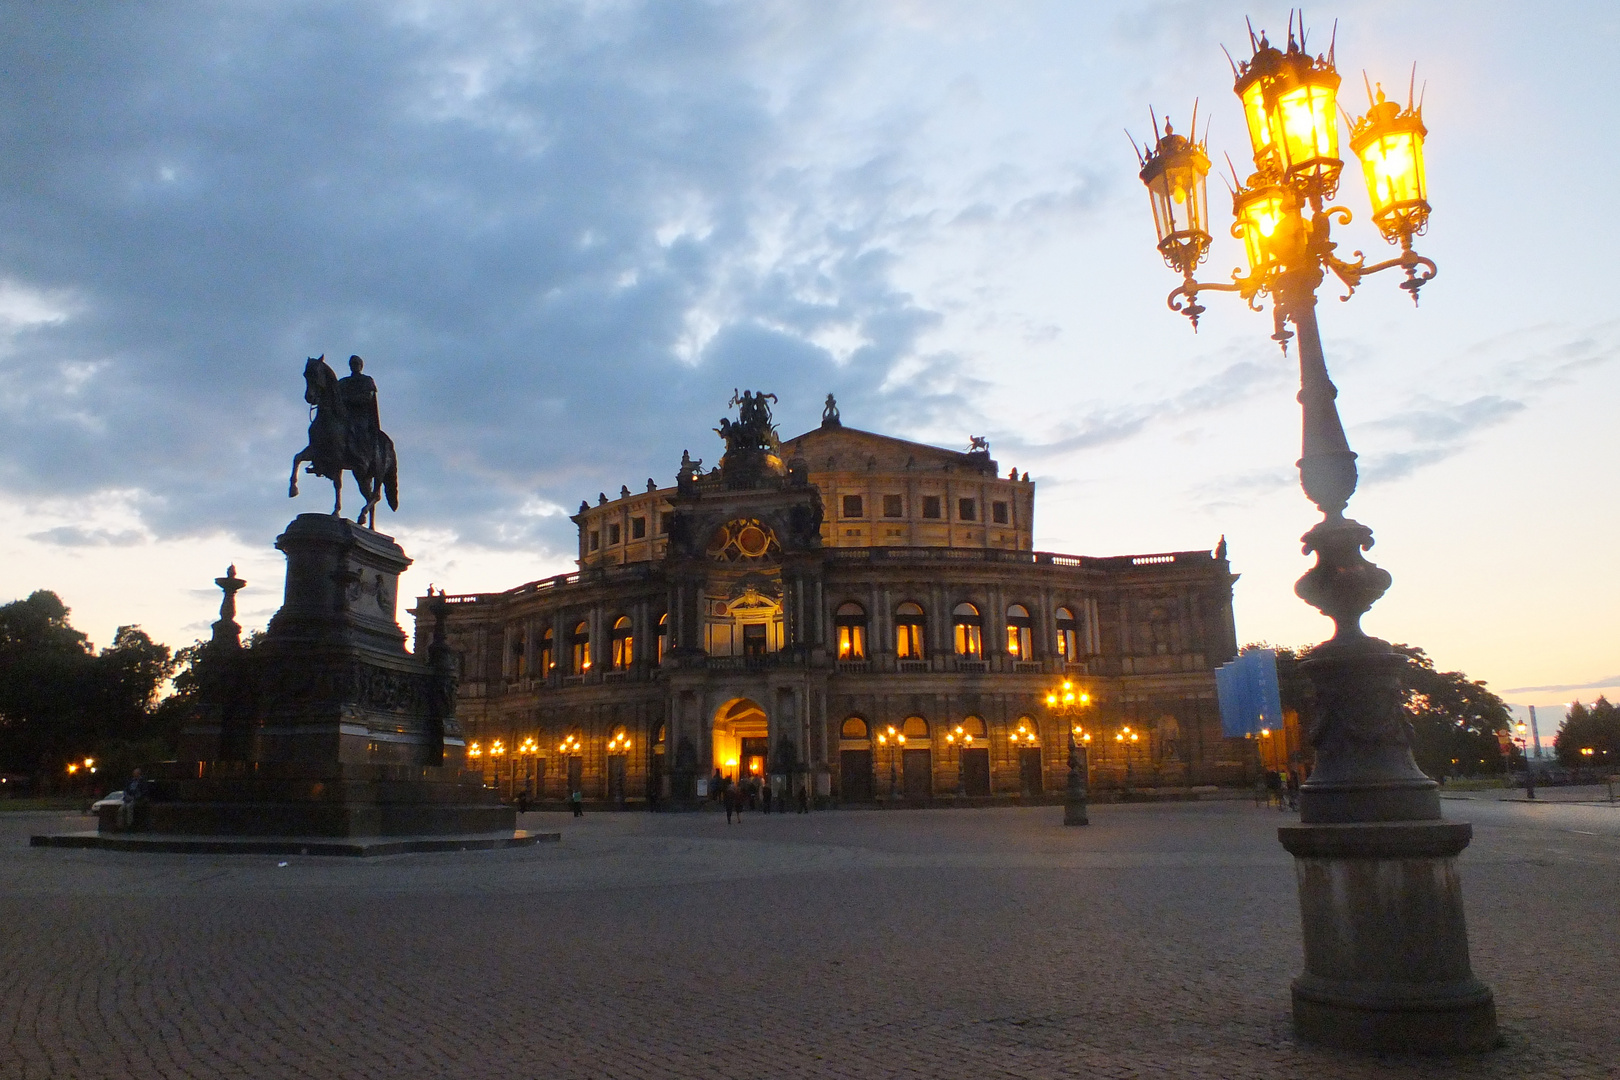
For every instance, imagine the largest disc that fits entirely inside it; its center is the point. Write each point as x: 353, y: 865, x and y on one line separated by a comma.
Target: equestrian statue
x: 344, y: 434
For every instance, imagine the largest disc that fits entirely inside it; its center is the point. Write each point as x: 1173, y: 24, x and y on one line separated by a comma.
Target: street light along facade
x: 1386, y: 952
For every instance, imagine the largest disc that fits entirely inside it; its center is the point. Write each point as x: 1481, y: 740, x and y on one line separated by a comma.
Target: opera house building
x: 858, y: 616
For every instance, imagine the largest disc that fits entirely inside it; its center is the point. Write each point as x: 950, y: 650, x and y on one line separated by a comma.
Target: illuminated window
x: 663, y: 635
x: 908, y: 632
x: 854, y: 728
x: 974, y: 726
x: 851, y: 622
x: 519, y: 666
x: 545, y: 657
x: 581, y: 653
x: 596, y: 539
x: 623, y: 643
x: 915, y: 727
x: 613, y: 535
x: 1020, y: 633
x: 853, y: 507
x: 638, y: 528
x: 1067, y: 640
x: 969, y: 631
x: 998, y: 513
x: 931, y: 508
x: 754, y: 638
x: 966, y: 510
x: 894, y: 506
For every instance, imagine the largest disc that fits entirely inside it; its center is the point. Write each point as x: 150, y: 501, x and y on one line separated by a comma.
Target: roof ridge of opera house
x: 823, y: 613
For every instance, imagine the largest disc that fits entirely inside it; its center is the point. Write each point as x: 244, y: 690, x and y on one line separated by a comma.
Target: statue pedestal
x: 327, y: 726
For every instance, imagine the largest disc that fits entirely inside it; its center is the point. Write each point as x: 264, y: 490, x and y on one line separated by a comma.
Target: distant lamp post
x: 1522, y: 739
x: 1127, y: 740
x: 1386, y: 949
x: 1068, y: 704
x: 961, y: 740
x: 895, y: 741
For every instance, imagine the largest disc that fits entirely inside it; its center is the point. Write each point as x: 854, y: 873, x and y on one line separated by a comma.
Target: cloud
x: 1559, y: 688
x: 559, y: 234
x: 76, y: 536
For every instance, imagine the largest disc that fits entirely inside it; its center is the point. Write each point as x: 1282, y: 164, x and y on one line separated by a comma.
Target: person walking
x: 134, y: 795
x: 728, y: 798
x: 765, y: 799
x: 523, y: 801
x: 804, y: 799
x: 576, y: 799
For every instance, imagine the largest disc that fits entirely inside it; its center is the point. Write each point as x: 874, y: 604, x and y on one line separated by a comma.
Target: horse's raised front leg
x: 292, y: 481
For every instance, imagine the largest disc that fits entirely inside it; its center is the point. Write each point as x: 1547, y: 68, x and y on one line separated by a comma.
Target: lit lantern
x: 1256, y: 77
x: 1174, y: 172
x: 1268, y: 225
x: 1304, y: 112
x: 1289, y: 105
x: 1389, y: 142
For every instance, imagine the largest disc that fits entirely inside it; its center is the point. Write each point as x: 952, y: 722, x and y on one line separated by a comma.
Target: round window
x: 752, y: 541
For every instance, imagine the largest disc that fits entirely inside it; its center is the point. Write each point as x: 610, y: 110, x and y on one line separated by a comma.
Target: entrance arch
x: 741, y: 740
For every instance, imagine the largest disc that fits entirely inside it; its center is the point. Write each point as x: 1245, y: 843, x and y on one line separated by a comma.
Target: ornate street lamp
x: 1069, y: 703
x: 962, y: 740
x: 1386, y: 950
x: 895, y: 741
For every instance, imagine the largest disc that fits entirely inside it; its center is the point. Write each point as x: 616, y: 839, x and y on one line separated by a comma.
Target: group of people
x: 1282, y: 788
x: 752, y: 795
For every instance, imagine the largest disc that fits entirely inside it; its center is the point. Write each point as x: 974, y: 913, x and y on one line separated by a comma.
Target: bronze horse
x: 374, y: 467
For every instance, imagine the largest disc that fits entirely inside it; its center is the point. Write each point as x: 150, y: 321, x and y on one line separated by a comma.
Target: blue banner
x: 1248, y: 693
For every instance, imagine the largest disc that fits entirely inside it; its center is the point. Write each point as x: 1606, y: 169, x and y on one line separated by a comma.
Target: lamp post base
x: 1074, y: 812
x: 1386, y: 947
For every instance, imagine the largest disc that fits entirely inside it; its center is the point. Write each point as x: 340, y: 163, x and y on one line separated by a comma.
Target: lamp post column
x: 1386, y: 946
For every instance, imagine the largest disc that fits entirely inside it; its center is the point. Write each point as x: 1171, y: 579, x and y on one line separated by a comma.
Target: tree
x: 1454, y: 719
x: 1595, y: 728
x: 59, y: 699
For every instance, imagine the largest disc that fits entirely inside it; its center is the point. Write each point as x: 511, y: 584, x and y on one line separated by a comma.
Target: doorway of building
x: 976, y: 770
x: 741, y: 740
x: 576, y: 776
x: 615, y: 779
x: 918, y: 766
x: 1029, y: 769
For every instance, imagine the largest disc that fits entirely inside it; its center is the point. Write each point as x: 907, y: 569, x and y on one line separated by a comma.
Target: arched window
x: 915, y: 727
x: 854, y: 728
x: 545, y: 657
x: 1068, y: 642
x: 1020, y: 633
x: 969, y: 631
x: 663, y: 635
x: 974, y: 726
x: 908, y: 632
x: 851, y: 622
x: 581, y: 654
x: 624, y: 642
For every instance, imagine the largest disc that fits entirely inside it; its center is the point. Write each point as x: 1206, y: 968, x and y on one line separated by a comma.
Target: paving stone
x: 1159, y: 941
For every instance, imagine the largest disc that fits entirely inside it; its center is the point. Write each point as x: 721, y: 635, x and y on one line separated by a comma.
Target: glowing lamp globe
x: 1174, y: 172
x: 1267, y: 225
x: 1389, y: 142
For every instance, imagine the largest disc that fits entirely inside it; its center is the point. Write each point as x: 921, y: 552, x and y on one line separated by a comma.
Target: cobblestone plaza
x: 976, y: 943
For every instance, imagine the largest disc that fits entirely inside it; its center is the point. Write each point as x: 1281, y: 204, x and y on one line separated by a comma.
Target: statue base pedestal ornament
x: 327, y: 726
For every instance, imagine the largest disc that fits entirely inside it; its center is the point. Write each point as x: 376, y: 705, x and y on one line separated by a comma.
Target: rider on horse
x: 358, y: 392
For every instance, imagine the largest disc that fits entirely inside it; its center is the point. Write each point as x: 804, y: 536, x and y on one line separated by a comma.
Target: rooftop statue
x: 344, y: 433
x: 753, y: 429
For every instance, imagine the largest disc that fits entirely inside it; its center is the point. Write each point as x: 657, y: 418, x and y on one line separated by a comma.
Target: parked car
x: 112, y: 798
